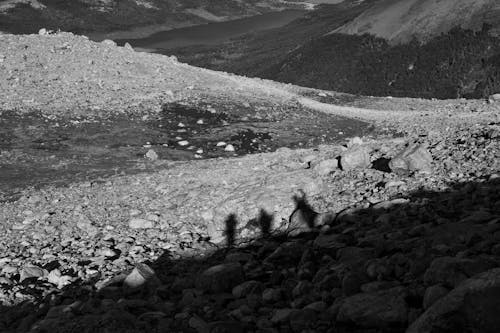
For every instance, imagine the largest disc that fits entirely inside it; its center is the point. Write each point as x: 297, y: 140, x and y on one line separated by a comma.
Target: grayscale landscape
x: 250, y: 166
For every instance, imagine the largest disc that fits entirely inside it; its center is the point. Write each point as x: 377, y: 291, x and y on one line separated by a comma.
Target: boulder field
x: 394, y: 230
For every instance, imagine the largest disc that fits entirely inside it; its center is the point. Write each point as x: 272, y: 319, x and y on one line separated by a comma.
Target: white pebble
x: 229, y: 148
x: 183, y: 143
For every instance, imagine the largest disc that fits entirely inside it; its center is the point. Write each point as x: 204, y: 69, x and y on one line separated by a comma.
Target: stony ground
x: 383, y: 233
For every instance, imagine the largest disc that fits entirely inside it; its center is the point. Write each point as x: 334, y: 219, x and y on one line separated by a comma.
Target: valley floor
x: 396, y: 228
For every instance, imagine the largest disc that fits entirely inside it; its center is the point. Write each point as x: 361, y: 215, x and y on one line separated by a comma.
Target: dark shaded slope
x: 460, y: 63
x: 253, y: 53
x: 392, y: 259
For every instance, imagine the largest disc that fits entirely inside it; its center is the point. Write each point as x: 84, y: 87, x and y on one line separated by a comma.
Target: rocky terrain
x: 391, y: 226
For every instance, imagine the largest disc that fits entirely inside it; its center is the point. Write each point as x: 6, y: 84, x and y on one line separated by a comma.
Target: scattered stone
x: 138, y: 223
x: 5, y: 281
x: 108, y: 42
x: 390, y: 203
x: 230, y: 148
x: 31, y: 271
x: 432, y: 294
x: 140, y: 276
x: 248, y: 288
x: 282, y: 315
x: 220, y: 278
x: 199, y: 324
x: 356, y: 141
x: 414, y: 158
x: 326, y: 167
x: 473, y: 305
x: 356, y: 157
x: 271, y: 295
x: 381, y: 309
x: 494, y: 98
x: 450, y: 271
x: 151, y: 155
x: 56, y: 277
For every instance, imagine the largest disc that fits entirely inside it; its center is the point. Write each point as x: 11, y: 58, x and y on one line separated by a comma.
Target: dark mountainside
x: 460, y: 63
x: 82, y: 16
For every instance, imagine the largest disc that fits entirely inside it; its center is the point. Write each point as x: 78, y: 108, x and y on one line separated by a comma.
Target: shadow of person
x: 265, y: 222
x: 230, y: 231
x: 303, y: 216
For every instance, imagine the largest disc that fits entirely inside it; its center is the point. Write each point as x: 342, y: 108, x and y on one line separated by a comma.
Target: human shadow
x: 308, y: 282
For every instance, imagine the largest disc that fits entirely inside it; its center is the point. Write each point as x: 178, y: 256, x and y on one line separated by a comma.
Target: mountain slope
x: 458, y: 63
x: 461, y: 63
x: 79, y: 16
x: 400, y: 21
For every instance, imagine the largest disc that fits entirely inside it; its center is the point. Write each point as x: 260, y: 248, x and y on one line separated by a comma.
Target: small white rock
x: 135, y: 212
x: 55, y: 277
x: 137, y: 223
x: 31, y: 271
x: 221, y: 144
x: 355, y: 141
x: 229, y: 148
x: 200, y: 122
x: 183, y: 143
x: 181, y: 125
x: 108, y: 42
x: 139, y: 276
x: 151, y: 155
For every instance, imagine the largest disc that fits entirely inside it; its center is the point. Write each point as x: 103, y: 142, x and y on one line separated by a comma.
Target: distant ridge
x: 400, y: 21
